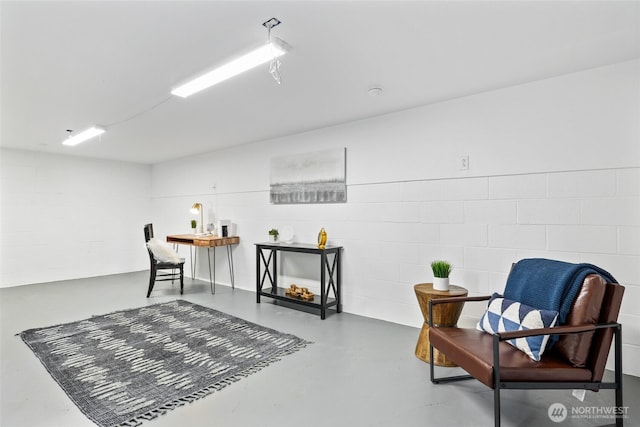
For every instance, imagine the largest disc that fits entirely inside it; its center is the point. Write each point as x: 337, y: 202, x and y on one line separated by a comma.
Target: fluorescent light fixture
x: 266, y: 53
x: 83, y: 136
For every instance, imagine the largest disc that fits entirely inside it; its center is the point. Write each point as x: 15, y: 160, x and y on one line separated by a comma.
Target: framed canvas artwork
x: 318, y: 177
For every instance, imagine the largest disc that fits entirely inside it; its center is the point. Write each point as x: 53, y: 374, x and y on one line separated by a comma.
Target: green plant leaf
x: 441, y: 268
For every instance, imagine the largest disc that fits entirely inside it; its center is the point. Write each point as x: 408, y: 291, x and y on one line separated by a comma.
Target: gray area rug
x: 133, y: 365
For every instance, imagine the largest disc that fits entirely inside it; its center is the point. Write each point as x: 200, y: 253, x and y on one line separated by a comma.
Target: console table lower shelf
x: 280, y: 294
x: 330, y: 275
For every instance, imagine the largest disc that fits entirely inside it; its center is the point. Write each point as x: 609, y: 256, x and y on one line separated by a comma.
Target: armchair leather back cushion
x: 586, y: 309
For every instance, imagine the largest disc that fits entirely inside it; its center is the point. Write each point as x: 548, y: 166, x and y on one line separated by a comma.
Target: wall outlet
x: 463, y: 163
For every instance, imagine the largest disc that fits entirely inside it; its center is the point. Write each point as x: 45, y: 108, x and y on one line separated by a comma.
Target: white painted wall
x: 67, y: 217
x: 555, y: 172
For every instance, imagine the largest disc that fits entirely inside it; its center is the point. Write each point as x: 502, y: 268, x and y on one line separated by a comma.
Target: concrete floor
x: 358, y: 371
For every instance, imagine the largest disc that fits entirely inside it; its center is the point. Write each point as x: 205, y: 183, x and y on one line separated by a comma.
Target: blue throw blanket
x: 549, y: 284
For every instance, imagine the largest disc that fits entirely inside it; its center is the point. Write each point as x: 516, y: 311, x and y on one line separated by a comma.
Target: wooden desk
x: 445, y: 315
x: 196, y: 240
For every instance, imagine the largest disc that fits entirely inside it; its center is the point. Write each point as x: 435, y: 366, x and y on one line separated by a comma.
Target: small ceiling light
x: 268, y: 52
x: 84, y: 135
x: 375, y: 91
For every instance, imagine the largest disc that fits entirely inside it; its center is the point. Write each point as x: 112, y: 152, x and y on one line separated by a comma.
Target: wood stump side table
x: 445, y: 315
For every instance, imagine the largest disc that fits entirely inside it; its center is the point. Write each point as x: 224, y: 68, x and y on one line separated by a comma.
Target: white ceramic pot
x: 441, y: 283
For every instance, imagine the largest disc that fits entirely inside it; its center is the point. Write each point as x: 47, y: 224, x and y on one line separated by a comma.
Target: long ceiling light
x: 84, y: 135
x: 274, y: 49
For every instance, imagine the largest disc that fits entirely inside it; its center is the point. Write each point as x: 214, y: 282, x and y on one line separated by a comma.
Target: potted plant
x: 273, y: 235
x: 193, y: 226
x: 441, y: 271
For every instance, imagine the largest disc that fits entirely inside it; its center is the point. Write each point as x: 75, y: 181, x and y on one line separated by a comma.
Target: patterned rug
x: 133, y: 365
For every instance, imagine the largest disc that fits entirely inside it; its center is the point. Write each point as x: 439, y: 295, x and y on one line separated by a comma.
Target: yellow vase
x: 322, y: 239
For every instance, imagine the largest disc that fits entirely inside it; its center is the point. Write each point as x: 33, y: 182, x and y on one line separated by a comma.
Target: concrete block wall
x: 537, y: 186
x: 66, y: 217
x: 392, y: 231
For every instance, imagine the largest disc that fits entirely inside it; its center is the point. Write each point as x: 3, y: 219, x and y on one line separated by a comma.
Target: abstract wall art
x: 318, y: 177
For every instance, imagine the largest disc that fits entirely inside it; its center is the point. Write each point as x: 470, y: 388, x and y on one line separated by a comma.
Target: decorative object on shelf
x: 195, y: 209
x: 441, y: 271
x: 211, y: 228
x: 322, y: 239
x: 273, y: 235
x: 193, y: 226
x: 287, y: 234
x: 296, y: 291
x: 318, y: 177
x: 226, y: 223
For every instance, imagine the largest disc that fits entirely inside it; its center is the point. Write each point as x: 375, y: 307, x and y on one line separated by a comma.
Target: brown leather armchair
x: 576, y: 361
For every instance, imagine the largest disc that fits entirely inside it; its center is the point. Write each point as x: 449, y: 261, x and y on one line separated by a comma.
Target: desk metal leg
x: 212, y: 280
x: 231, y: 272
x: 192, y: 263
x: 214, y: 270
x: 212, y: 283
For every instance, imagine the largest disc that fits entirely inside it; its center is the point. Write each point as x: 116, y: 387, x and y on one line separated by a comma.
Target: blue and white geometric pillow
x: 505, y: 315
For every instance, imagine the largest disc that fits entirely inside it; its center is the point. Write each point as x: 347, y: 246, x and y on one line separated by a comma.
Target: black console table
x: 266, y: 270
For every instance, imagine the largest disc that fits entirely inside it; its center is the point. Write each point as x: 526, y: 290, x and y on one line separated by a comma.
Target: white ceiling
x: 71, y: 64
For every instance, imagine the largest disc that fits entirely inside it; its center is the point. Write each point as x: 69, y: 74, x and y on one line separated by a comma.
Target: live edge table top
x: 202, y: 240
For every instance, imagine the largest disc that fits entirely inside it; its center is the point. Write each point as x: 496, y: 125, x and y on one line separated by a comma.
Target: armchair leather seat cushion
x: 473, y: 351
x: 585, y: 310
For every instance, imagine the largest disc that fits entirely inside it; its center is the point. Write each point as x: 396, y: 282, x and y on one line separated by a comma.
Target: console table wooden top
x: 298, y: 247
